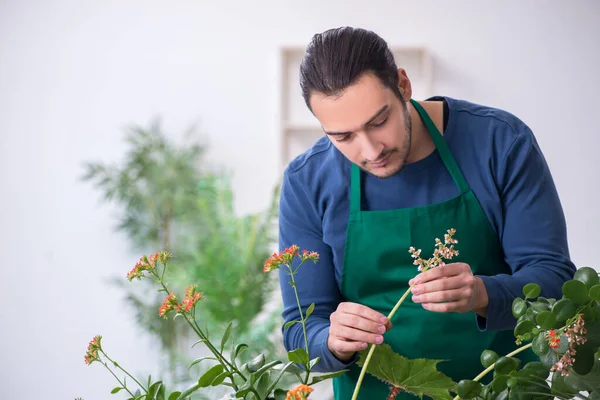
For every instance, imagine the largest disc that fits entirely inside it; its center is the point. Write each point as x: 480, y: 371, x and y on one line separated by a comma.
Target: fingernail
x: 379, y: 339
x: 363, y: 345
x: 383, y: 320
x: 410, y: 282
x: 416, y: 290
x: 381, y: 329
x: 415, y: 299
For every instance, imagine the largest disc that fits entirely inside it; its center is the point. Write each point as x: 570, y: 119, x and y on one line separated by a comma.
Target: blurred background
x: 128, y: 127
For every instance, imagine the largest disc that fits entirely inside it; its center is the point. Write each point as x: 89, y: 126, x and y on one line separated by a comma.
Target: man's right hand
x: 353, y: 327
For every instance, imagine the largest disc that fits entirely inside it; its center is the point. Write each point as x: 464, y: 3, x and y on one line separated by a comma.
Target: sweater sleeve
x: 533, y: 235
x: 300, y: 224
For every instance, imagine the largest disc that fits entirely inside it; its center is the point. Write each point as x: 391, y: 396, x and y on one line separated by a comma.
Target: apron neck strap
x: 442, y: 148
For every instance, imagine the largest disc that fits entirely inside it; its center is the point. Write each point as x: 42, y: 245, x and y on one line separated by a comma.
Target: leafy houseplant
x: 255, y: 380
x: 564, y: 333
x: 168, y: 200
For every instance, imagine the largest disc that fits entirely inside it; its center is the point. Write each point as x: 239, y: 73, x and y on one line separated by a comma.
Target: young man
x: 391, y: 173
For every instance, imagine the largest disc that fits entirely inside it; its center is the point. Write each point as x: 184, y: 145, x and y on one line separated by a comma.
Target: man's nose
x: 370, y: 150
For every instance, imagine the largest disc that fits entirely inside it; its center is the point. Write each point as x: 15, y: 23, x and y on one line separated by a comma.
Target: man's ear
x: 404, y: 84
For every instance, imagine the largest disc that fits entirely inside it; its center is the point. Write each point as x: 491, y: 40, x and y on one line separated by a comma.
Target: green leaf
x: 532, y: 290
x: 504, y: 365
x: 239, y: 349
x: 320, y: 378
x: 468, y: 389
x: 519, y: 307
x: 576, y: 291
x: 280, y: 394
x: 298, y: 356
x: 116, y: 390
x: 198, y: 341
x: 588, y: 276
x: 535, y: 369
x: 313, y: 362
x: 595, y: 292
x: 419, y: 376
x: 488, y: 358
x: 559, y: 388
x: 540, y: 307
x: 290, y: 323
x: 263, y: 384
x: 210, y: 375
x: 523, y: 327
x: 309, y: 311
x: 499, y: 383
x: 221, y: 378
x: 256, y: 363
x: 589, y: 382
x: 199, y: 360
x: 563, y: 309
x: 226, y: 336
x: 584, y: 359
x: 546, y: 320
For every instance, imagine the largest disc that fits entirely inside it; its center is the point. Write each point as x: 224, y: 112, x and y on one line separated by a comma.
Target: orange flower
x: 301, y: 392
x: 169, y: 304
x: 286, y: 257
x: 553, y: 339
x: 91, y: 354
x: 191, y: 298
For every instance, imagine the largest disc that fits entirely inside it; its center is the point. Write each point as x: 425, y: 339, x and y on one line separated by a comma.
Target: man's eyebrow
x: 377, y: 114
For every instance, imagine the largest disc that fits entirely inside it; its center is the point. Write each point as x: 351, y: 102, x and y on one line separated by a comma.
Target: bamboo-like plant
x: 167, y: 199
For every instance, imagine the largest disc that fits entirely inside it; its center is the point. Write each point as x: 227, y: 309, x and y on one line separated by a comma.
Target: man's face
x: 368, y: 124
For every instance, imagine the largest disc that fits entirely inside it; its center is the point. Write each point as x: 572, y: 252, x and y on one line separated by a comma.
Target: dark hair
x: 337, y: 58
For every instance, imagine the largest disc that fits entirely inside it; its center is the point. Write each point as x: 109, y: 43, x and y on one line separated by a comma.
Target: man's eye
x: 343, y: 139
x: 381, y: 123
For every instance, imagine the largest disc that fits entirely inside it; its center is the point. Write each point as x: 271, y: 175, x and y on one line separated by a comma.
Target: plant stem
x: 491, y: 367
x: 117, y: 378
x: 372, y: 349
x: 302, y: 320
x: 208, y: 344
x: 127, y: 373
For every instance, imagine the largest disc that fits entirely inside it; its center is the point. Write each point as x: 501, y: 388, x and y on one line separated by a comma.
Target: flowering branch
x: 442, y: 252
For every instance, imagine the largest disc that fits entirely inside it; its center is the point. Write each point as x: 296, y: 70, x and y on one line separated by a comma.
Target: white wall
x: 74, y: 73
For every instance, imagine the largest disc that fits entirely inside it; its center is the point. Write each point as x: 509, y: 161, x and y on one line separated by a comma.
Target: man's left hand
x: 450, y: 288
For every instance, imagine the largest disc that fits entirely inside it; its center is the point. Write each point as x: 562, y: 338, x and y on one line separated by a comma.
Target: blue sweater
x: 504, y: 166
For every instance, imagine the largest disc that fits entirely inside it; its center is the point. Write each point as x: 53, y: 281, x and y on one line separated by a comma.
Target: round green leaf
x: 595, y: 292
x: 524, y: 327
x: 576, y: 291
x: 468, y: 389
x: 499, y: 383
x: 532, y: 290
x: 563, y: 310
x: 504, y: 365
x: 511, y: 382
x: 535, y: 369
x: 546, y: 320
x: 587, y: 276
x: 540, y: 307
x: 584, y: 359
x: 519, y: 307
x: 540, y: 345
x: 488, y: 358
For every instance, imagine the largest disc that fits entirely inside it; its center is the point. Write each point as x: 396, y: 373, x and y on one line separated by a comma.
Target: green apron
x: 378, y: 266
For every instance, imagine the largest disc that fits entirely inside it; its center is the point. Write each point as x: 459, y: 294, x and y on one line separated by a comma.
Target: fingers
x: 461, y: 306
x: 353, y: 326
x: 362, y: 311
x: 444, y: 295
x: 436, y: 273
